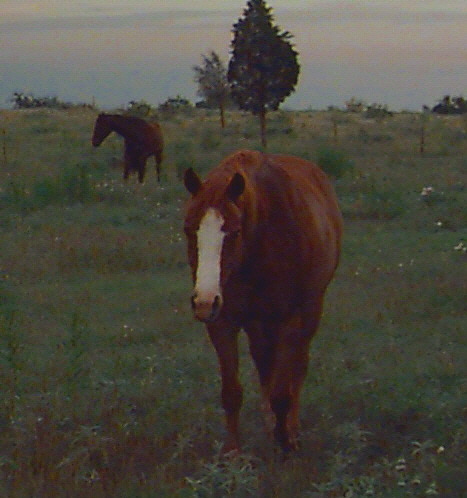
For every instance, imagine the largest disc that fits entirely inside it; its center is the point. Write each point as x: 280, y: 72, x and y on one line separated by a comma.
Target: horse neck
x: 251, y: 213
x: 123, y: 127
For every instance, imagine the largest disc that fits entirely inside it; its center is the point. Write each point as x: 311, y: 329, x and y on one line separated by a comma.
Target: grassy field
x: 110, y: 389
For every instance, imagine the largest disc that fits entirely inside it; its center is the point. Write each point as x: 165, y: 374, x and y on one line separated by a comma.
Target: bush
x: 71, y: 186
x: 174, y: 105
x: 374, y: 201
x: 333, y: 162
x: 377, y: 111
x: 23, y: 101
x: 139, y: 109
x: 354, y: 105
x: 448, y: 105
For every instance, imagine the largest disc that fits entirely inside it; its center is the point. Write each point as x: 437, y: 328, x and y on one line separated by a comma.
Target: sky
x: 402, y: 53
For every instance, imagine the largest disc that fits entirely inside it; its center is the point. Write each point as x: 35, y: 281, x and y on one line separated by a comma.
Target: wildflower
x: 461, y: 247
x: 432, y: 490
x: 426, y: 191
x: 401, y: 465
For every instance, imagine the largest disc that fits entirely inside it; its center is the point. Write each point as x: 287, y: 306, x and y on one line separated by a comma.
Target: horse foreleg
x: 225, y: 343
x: 262, y: 352
x: 290, y: 366
x: 127, y: 162
x: 158, y: 159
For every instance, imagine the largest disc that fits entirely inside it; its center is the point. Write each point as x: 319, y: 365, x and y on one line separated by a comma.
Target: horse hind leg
x: 296, y: 384
x: 126, y: 171
x: 141, y: 172
x: 290, y: 367
x: 140, y: 164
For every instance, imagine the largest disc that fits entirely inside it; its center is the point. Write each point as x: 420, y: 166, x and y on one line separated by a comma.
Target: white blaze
x: 210, y: 239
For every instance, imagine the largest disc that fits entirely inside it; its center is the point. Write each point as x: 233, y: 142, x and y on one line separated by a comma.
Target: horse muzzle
x: 206, y: 309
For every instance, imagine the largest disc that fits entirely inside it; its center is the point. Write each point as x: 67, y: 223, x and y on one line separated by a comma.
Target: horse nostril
x: 193, y: 301
x: 216, y: 305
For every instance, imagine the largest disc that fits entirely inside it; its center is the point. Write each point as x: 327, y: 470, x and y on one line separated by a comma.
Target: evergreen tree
x: 263, y: 69
x: 213, y: 86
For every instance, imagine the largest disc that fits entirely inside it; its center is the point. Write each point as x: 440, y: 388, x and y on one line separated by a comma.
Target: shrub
x: 71, y: 186
x: 377, y: 111
x: 24, y: 101
x: 333, y: 162
x: 174, y: 105
x: 448, y: 105
x: 354, y: 105
x: 375, y: 202
x: 139, y: 109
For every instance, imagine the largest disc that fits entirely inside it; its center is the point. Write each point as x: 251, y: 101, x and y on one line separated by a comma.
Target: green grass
x: 110, y: 389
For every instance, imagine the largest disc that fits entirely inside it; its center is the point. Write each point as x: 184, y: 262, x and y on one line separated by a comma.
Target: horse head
x: 102, y: 129
x: 213, y: 227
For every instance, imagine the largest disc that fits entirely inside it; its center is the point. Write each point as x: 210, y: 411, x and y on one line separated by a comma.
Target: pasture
x: 111, y: 389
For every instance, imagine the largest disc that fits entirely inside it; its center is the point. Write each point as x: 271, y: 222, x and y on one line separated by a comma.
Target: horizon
x: 400, y: 54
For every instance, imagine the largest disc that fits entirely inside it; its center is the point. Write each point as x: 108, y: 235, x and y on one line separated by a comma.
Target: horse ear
x: 192, y: 181
x: 236, y: 187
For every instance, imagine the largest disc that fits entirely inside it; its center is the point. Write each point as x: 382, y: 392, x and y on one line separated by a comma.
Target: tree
x: 211, y: 77
x: 448, y: 105
x: 263, y: 69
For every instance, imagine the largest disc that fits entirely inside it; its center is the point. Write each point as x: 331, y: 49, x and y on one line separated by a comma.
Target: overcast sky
x: 111, y: 7
x: 401, y: 53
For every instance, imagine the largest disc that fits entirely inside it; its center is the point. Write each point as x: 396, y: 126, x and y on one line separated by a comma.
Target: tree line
x: 262, y: 72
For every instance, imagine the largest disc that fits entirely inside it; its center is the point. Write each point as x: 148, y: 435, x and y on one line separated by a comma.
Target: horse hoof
x: 230, y: 449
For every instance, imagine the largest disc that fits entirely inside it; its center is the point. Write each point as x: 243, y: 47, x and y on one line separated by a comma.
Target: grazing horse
x: 142, y: 139
x: 263, y: 237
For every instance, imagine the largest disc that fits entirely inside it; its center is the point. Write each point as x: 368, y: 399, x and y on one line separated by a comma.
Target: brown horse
x: 142, y: 139
x: 264, y: 235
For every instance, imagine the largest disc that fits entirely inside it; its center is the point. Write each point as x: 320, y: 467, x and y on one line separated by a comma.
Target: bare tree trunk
x: 422, y: 139
x: 221, y: 110
x: 334, y: 129
x: 262, y: 124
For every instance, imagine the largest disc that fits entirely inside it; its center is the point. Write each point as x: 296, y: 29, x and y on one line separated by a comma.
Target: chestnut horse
x: 142, y: 139
x: 264, y: 235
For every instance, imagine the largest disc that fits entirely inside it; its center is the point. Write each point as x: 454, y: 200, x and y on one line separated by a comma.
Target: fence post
x: 5, y: 160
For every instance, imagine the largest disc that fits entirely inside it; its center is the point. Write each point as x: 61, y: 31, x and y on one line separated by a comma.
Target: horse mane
x: 265, y: 200
x: 247, y: 163
x: 264, y: 178
x: 127, y: 126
